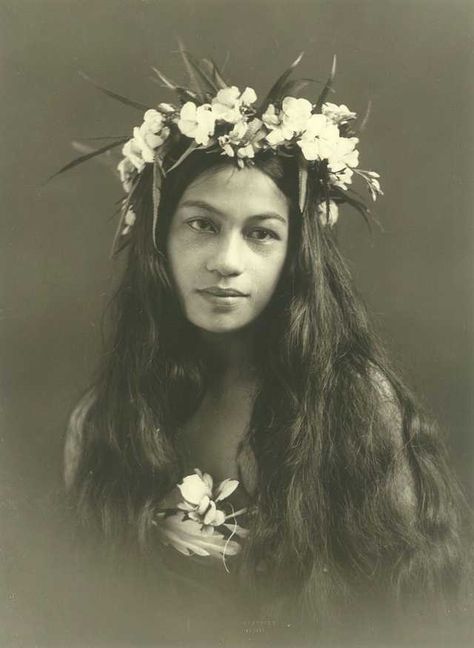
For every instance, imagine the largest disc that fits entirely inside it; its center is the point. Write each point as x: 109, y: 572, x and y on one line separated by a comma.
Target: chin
x: 220, y: 325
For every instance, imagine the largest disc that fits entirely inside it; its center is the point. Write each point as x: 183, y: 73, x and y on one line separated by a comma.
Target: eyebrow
x: 204, y: 205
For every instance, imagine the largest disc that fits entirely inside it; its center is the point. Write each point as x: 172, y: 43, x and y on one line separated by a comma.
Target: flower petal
x: 187, y: 537
x: 208, y: 480
x: 209, y: 517
x: 188, y: 111
x: 166, y: 108
x: 248, y: 96
x: 219, y: 518
x: 226, y: 488
x: 203, y: 505
x: 276, y: 137
x: 185, y: 506
x: 270, y: 117
x: 193, y: 489
x: 337, y: 114
x: 227, y: 96
x: 328, y: 213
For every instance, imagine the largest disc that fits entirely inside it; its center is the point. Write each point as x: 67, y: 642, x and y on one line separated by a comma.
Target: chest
x: 212, y: 439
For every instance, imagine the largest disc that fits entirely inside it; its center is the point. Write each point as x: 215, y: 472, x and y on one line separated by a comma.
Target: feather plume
x: 115, y: 95
x: 328, y: 87
x: 88, y: 156
x: 275, y: 91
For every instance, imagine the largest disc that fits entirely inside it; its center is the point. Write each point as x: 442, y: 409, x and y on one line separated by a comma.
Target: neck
x: 231, y: 355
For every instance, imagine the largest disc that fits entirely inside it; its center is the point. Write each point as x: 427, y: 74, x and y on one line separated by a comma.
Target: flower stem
x: 239, y: 512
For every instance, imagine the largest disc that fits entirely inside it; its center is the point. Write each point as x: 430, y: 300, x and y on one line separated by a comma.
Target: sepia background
x: 412, y: 59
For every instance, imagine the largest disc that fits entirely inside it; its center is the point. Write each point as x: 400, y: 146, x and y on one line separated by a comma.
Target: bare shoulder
x: 388, y: 405
x: 390, y: 414
x: 73, y: 445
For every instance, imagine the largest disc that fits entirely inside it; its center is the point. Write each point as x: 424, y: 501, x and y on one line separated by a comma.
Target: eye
x: 262, y: 235
x: 201, y: 225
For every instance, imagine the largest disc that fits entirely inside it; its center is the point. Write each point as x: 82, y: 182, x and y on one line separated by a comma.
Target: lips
x: 222, y: 292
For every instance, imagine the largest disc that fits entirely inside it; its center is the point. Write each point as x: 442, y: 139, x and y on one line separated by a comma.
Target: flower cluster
x: 316, y: 134
x: 141, y: 148
x: 198, y: 524
x: 221, y: 118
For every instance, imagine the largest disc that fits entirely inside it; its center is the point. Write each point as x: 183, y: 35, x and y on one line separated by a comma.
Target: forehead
x: 237, y: 191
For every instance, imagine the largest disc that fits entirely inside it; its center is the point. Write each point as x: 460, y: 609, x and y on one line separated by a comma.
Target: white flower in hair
x: 141, y: 148
x: 342, y: 178
x: 153, y: 139
x: 133, y: 152
x: 227, y: 105
x: 129, y: 221
x: 233, y: 138
x: 270, y: 117
x: 197, y: 122
x: 140, y: 138
x: 248, y: 97
x: 328, y: 213
x: 148, y: 141
x: 127, y: 171
x: 292, y: 119
x: 239, y: 131
x: 278, y: 133
x: 343, y: 153
x: 166, y: 108
x: 296, y: 113
x: 243, y: 140
x: 343, y: 158
x: 247, y: 151
x: 154, y: 120
x: 337, y: 114
x: 321, y: 127
x: 319, y: 138
x: 374, y: 184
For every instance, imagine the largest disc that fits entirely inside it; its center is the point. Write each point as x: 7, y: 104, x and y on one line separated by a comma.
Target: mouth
x: 222, y: 292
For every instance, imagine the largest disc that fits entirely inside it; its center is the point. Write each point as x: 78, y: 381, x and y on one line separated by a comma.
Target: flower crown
x: 217, y: 117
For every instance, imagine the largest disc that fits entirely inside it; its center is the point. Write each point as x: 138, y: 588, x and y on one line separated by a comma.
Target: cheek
x: 268, y: 274
x: 182, y: 260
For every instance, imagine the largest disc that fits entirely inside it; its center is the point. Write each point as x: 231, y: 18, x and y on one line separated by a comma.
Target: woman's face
x: 227, y: 245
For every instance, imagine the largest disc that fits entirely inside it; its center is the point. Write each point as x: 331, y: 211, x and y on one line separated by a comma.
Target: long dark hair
x: 353, y: 491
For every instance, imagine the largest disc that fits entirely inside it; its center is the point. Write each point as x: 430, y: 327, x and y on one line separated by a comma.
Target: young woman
x: 246, y: 427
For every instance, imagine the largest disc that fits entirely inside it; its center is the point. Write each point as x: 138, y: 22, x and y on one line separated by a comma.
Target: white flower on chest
x: 200, y: 524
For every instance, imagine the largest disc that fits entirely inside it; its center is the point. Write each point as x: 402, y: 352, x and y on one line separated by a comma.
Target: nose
x: 227, y: 256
